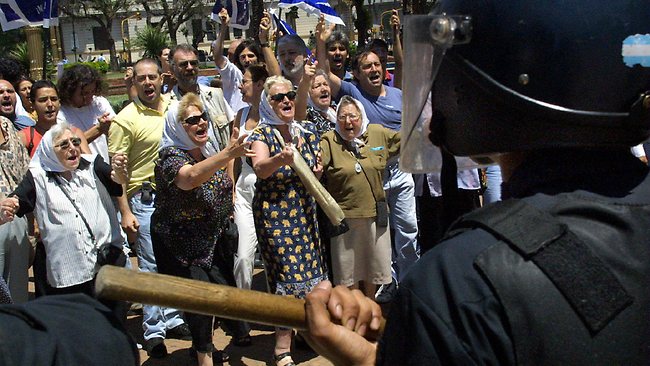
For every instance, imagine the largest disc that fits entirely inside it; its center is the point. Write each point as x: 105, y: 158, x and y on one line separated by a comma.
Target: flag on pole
x: 285, y: 28
x: 281, y: 25
x: 238, y: 11
x: 314, y: 7
x: 20, y: 13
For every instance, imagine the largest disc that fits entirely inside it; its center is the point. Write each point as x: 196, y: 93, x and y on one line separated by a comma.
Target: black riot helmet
x: 512, y: 75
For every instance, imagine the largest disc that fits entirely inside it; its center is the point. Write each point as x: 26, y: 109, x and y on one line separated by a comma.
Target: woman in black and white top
x: 70, y: 194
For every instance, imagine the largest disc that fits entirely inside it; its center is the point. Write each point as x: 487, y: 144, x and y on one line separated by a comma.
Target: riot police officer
x: 555, y: 93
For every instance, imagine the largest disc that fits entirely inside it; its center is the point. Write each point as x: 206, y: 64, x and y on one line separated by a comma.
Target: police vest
x: 573, y: 276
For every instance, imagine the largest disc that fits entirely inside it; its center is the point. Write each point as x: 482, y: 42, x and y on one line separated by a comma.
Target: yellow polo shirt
x: 137, y: 131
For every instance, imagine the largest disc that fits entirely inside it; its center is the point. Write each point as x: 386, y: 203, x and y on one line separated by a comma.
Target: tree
x: 103, y: 12
x: 152, y: 41
x: 174, y: 14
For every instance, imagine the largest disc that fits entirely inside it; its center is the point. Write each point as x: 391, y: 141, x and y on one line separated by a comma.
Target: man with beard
x: 8, y: 102
x: 136, y: 131
x: 292, y: 55
x: 185, y: 65
x: 383, y: 105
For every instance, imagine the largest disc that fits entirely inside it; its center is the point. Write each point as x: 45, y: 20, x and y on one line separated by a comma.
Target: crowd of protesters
x: 196, y: 179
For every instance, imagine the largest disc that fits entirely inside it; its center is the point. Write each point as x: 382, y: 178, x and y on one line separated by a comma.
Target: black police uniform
x: 64, y: 330
x: 575, y: 293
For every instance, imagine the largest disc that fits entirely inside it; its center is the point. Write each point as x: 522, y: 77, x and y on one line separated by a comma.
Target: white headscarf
x: 364, y: 120
x: 175, y: 135
x: 45, y: 156
x: 268, y: 116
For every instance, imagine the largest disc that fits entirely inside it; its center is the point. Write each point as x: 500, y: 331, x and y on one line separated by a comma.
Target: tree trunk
x: 362, y: 23
x: 257, y: 10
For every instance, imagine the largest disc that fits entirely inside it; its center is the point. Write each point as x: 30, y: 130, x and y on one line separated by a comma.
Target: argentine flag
x: 20, y: 13
x: 237, y: 10
x: 636, y: 50
x: 314, y: 7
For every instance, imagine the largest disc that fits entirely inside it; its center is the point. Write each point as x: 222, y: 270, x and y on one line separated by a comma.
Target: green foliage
x: 9, y: 40
x: 19, y: 52
x: 101, y: 67
x: 152, y: 40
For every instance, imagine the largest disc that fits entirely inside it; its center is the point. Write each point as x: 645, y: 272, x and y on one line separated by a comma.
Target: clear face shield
x: 426, y: 40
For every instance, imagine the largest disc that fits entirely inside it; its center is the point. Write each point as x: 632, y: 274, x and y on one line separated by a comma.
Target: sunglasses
x: 183, y: 64
x: 280, y: 96
x: 76, y: 141
x: 194, y: 120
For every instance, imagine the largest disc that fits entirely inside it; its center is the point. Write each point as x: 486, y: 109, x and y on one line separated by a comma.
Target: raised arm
x: 272, y: 65
x: 192, y: 176
x: 397, y: 50
x: 322, y: 33
x: 303, y: 90
x: 217, y: 46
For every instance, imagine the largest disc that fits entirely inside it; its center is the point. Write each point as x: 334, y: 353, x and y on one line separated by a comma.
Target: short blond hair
x: 188, y: 100
x: 275, y: 79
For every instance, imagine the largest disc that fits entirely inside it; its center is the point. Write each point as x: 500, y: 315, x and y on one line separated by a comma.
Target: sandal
x: 283, y: 359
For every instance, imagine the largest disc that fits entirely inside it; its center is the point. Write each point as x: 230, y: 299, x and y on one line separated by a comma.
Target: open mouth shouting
x: 375, y: 78
x: 149, y: 92
x: 6, y: 106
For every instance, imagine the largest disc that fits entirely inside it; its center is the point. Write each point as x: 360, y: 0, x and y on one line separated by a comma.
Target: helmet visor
x: 426, y: 39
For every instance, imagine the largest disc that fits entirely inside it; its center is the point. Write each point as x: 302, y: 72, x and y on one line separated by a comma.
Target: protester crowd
x: 196, y: 179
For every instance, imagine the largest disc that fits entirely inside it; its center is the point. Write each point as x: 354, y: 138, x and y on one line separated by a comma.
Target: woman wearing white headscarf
x: 193, y: 209
x: 284, y: 213
x: 354, y: 157
x: 70, y: 194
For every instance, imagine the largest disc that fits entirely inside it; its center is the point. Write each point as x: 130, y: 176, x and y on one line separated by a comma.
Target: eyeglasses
x: 344, y: 117
x: 244, y: 81
x: 142, y: 78
x: 183, y: 64
x: 280, y: 96
x: 76, y: 141
x: 194, y: 120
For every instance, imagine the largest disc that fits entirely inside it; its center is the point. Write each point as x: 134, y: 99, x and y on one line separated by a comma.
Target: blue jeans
x: 155, y: 319
x: 400, y: 196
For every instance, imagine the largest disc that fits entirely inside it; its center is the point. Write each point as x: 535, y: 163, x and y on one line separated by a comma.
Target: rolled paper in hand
x: 313, y: 186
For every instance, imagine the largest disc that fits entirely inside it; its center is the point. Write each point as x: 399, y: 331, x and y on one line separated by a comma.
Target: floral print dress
x: 191, y: 222
x: 285, y: 220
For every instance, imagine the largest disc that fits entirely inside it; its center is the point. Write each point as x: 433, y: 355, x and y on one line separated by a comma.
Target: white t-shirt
x: 86, y: 117
x: 231, y: 77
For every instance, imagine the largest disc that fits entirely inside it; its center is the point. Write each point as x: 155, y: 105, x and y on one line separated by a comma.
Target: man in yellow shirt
x: 137, y: 131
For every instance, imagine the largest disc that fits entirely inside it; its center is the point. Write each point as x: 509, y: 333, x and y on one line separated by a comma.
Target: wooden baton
x: 115, y: 283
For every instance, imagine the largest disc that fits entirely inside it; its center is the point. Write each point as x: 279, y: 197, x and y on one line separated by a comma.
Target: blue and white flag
x: 314, y: 7
x: 636, y: 50
x: 20, y: 13
x: 285, y: 28
x: 281, y: 25
x: 238, y: 10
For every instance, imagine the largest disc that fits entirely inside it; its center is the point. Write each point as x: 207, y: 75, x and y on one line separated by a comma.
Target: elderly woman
x: 314, y: 100
x: 251, y: 88
x: 354, y: 157
x: 285, y: 214
x: 193, y: 209
x: 70, y: 194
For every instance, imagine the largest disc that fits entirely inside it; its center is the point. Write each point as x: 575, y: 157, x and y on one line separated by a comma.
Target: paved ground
x: 257, y: 354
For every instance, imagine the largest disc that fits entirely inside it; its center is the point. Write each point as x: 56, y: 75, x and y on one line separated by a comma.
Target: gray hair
x: 58, y: 129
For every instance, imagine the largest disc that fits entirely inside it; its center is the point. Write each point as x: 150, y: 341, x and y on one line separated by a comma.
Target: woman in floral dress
x: 285, y: 214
